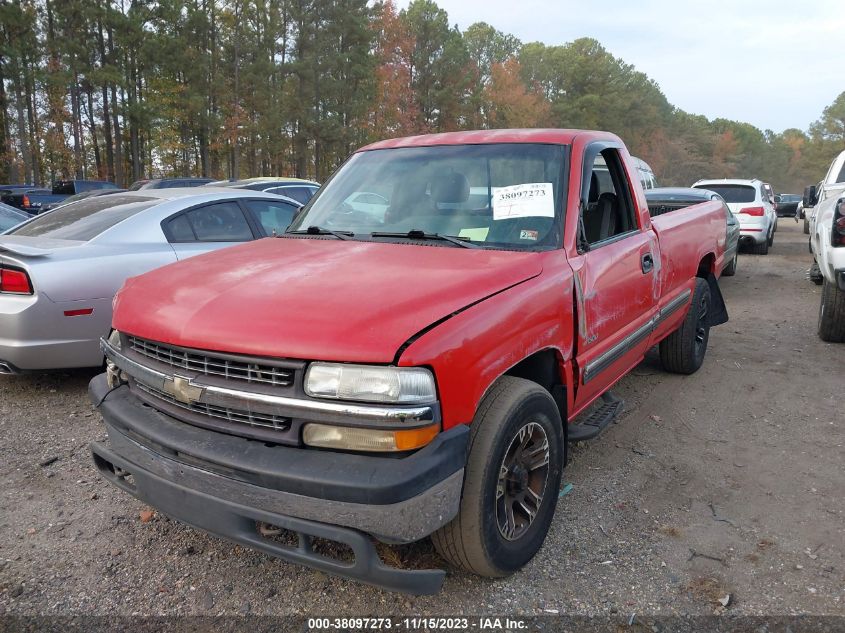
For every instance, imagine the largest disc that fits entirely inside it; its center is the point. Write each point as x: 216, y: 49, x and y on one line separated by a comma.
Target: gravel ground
x: 725, y: 483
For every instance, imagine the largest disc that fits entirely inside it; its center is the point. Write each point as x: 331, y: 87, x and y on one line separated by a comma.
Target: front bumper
x: 224, y: 484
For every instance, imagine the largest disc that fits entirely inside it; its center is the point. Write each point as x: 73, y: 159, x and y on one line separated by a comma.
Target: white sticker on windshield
x: 529, y: 200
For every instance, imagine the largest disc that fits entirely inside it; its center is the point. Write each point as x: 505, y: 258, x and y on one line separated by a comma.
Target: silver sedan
x: 60, y: 270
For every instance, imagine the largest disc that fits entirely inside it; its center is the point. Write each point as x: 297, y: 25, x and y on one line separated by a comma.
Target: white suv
x: 751, y: 203
x: 827, y: 242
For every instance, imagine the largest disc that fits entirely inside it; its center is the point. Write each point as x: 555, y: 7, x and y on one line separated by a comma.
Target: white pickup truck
x: 827, y: 242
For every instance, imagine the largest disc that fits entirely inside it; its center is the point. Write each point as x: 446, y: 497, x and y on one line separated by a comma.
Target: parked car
x: 168, y: 183
x: 750, y: 202
x: 786, y: 205
x: 27, y: 199
x: 300, y: 190
x: 10, y: 216
x: 323, y: 384
x: 827, y: 243
x: 81, y: 196
x: 647, y: 179
x: 37, y: 200
x: 668, y: 199
x: 61, y: 269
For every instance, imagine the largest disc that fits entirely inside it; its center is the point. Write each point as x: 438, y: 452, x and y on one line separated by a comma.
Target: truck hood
x: 313, y: 298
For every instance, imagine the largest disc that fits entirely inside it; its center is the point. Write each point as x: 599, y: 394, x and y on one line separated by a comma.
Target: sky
x: 775, y: 64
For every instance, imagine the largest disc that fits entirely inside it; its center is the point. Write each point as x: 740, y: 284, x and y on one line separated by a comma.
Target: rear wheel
x: 730, y: 269
x: 806, y: 226
x: 511, y: 483
x: 771, y: 239
x: 762, y: 249
x: 832, y: 314
x: 682, y: 352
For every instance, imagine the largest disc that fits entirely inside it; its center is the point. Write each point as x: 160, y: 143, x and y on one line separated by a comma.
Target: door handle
x: 647, y: 263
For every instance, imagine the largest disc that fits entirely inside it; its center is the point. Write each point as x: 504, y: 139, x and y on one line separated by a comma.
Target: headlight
x: 114, y: 339
x: 370, y: 383
x: 375, y: 440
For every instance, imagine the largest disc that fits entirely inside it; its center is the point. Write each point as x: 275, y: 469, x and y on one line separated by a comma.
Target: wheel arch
x: 707, y: 266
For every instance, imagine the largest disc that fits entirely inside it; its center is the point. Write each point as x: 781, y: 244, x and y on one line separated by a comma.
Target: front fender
x: 470, y: 350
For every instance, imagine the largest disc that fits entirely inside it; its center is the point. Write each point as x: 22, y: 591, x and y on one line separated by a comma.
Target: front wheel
x: 682, y: 352
x: 511, y: 481
x: 832, y: 314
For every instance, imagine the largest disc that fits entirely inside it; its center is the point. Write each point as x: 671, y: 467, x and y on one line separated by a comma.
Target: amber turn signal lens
x: 415, y: 438
x: 351, y: 438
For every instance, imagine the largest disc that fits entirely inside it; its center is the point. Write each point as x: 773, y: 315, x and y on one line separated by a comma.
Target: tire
x: 682, y: 352
x: 762, y: 249
x: 483, y: 538
x: 832, y: 314
x: 806, y: 226
x: 771, y: 239
x: 730, y: 269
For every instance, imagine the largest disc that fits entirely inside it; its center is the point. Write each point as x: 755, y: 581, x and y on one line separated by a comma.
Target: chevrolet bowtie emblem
x: 181, y: 388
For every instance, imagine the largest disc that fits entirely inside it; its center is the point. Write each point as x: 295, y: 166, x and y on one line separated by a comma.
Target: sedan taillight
x: 15, y: 281
x: 758, y: 211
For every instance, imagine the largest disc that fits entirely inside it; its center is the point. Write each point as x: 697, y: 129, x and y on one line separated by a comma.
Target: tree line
x: 128, y: 89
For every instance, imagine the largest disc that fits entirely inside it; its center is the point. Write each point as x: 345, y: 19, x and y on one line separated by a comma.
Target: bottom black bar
x: 240, y: 524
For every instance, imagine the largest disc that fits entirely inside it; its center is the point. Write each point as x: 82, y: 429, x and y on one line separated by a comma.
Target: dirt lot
x: 728, y: 482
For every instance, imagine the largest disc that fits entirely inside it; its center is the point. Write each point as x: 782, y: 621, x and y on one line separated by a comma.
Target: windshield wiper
x: 418, y: 234
x: 318, y: 230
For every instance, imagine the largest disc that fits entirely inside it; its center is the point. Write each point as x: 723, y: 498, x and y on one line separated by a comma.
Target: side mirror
x: 810, y: 196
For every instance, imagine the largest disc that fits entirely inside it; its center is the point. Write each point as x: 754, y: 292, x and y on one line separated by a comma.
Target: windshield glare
x: 506, y: 196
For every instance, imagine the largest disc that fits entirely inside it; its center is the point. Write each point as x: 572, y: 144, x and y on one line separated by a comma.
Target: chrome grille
x: 210, y: 365
x: 239, y: 416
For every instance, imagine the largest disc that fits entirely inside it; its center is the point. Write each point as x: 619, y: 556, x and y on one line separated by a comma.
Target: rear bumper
x: 35, y: 334
x: 753, y: 236
x: 225, y: 484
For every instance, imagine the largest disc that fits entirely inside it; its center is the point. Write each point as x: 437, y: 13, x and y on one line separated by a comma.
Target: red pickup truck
x: 411, y: 357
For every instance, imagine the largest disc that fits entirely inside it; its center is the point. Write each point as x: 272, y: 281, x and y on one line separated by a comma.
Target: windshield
x: 86, y: 219
x: 731, y: 193
x: 505, y: 196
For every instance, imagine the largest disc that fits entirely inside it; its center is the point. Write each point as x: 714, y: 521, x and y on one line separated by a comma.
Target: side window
x: 179, y: 229
x: 610, y: 210
x: 274, y: 216
x: 300, y: 194
x: 221, y: 222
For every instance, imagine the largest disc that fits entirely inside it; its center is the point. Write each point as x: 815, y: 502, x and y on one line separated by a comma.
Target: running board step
x: 599, y: 419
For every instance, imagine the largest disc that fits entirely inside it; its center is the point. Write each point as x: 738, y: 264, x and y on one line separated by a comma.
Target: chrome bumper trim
x: 344, y: 414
